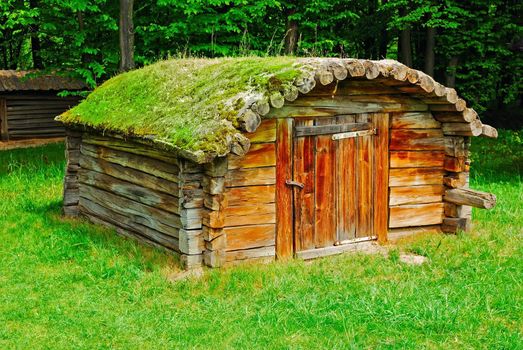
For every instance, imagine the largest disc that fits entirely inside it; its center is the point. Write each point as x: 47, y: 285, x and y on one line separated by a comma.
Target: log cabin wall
x: 31, y: 115
x: 141, y: 192
x: 250, y: 212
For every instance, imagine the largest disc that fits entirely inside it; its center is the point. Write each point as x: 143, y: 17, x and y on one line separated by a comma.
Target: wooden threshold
x: 8, y: 145
x: 363, y: 246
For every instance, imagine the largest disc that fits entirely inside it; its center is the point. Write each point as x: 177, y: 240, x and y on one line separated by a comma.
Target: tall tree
x: 126, y: 30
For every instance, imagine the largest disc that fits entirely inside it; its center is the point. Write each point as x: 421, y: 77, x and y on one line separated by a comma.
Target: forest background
x: 474, y: 46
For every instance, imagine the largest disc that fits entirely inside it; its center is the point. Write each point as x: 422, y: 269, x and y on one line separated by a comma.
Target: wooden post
x: 381, y: 194
x: 284, y: 215
x: 4, y: 130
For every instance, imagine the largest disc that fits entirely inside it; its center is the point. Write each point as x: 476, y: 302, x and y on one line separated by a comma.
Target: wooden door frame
x: 284, y: 194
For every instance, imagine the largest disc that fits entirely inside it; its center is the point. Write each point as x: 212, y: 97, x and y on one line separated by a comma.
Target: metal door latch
x: 294, y: 183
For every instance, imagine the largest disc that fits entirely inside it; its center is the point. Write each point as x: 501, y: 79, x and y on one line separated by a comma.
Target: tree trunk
x: 429, y: 51
x: 451, y: 72
x: 35, y: 40
x: 126, y: 35
x: 291, y: 35
x: 405, y: 47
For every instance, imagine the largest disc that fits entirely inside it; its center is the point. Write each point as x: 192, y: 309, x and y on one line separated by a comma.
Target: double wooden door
x: 338, y: 165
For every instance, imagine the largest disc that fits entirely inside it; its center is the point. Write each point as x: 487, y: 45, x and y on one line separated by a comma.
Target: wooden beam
x: 284, y: 226
x: 489, y: 131
x: 330, y: 129
x: 466, y: 196
x: 381, y: 167
x: 4, y: 129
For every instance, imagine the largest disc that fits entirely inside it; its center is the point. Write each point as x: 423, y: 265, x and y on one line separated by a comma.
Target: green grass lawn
x: 66, y: 284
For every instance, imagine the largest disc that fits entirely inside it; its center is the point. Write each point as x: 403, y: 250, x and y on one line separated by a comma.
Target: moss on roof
x: 186, y: 104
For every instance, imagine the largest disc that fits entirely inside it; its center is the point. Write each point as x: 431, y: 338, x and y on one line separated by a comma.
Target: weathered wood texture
x: 417, y: 170
x: 4, y: 128
x: 247, y: 217
x: 32, y: 116
x: 71, y: 187
x: 149, y: 198
x: 344, y: 194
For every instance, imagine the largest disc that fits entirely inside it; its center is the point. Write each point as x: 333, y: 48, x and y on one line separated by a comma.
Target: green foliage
x: 69, y: 284
x: 81, y: 36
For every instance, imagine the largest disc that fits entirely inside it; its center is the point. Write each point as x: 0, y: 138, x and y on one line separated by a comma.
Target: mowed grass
x: 66, y: 284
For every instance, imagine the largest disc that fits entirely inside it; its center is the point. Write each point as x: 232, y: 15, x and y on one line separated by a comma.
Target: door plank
x: 364, y: 183
x: 284, y: 217
x: 325, y: 221
x: 346, y: 184
x: 304, y: 198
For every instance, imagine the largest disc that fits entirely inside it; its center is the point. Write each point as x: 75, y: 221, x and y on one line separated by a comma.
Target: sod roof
x: 200, y: 108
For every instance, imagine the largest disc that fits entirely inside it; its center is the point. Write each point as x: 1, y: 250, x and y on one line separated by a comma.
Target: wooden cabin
x: 316, y: 160
x: 29, y: 103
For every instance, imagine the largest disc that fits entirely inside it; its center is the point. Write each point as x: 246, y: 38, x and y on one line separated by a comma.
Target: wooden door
x: 338, y: 167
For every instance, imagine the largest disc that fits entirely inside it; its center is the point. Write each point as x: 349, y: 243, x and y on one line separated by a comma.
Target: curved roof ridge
x: 244, y: 110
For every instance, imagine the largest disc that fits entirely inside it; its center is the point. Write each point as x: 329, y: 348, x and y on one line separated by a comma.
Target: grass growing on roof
x: 181, y: 102
x: 68, y: 284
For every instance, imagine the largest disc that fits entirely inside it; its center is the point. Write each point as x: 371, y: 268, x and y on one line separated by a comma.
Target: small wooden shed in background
x: 29, y: 104
x: 301, y: 157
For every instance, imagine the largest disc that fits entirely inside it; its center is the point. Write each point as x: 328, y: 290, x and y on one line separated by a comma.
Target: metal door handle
x: 294, y: 183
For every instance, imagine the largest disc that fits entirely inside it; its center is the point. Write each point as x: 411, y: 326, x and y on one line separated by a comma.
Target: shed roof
x: 12, y: 80
x: 199, y: 107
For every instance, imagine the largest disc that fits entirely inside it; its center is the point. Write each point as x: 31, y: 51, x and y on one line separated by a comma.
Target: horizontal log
x: 416, y: 215
x: 35, y: 117
x: 416, y: 194
x: 250, y: 177
x: 59, y: 130
x: 352, y: 87
x: 466, y: 196
x: 416, y: 159
x: 455, y: 225
x: 489, y: 131
x: 213, y: 185
x: 266, y: 132
x: 415, y: 176
x: 416, y: 140
x: 346, y: 101
x: 116, y: 219
x: 420, y: 120
x: 466, y: 116
x: 474, y: 128
x: 350, y: 108
x: 396, y: 234
x: 250, y: 214
x: 139, y: 213
x: 144, y: 164
x: 238, y: 196
x: 459, y: 106
x: 141, y: 150
x: 260, y: 155
x: 252, y: 236
x: 253, y: 253
x: 131, y: 191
